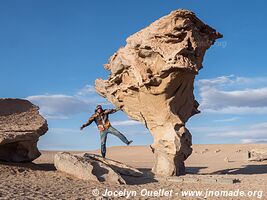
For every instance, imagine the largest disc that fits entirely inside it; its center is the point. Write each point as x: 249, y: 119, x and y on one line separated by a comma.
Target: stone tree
x: 153, y: 77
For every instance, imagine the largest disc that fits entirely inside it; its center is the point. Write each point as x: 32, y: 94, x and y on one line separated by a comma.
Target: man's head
x: 99, y: 109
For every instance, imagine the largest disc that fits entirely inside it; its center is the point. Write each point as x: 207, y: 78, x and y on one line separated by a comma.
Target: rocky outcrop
x: 257, y: 155
x: 153, y: 77
x: 21, y: 125
x: 86, y: 169
x: 118, y: 167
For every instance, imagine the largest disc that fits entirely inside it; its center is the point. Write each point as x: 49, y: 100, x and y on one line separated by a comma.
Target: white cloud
x: 246, y: 141
x: 237, y: 110
x: 87, y: 90
x: 260, y: 125
x: 126, y: 123
x: 233, y: 80
x: 243, y: 98
x: 64, y: 131
x: 227, y: 119
x: 233, y: 95
x: 244, y: 132
x: 60, y: 106
x: 214, y: 81
x: 138, y: 132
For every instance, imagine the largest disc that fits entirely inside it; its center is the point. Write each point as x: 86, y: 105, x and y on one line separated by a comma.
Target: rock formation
x: 153, y: 77
x: 118, y: 167
x: 258, y: 155
x: 21, y: 125
x: 86, y: 169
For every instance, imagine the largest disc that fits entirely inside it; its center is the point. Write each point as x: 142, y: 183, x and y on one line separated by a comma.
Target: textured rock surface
x: 86, y: 169
x: 118, y: 167
x: 153, y: 77
x: 21, y: 125
x: 259, y: 154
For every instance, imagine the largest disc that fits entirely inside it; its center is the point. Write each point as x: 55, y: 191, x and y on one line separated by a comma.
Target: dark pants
x: 104, y: 135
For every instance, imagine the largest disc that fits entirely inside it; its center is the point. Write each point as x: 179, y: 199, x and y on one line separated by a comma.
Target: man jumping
x: 100, y: 117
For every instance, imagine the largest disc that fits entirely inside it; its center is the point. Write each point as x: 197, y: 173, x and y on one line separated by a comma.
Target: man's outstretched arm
x: 111, y: 111
x: 90, y: 120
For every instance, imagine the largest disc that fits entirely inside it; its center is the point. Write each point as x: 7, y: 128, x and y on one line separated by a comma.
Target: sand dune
x: 40, y: 180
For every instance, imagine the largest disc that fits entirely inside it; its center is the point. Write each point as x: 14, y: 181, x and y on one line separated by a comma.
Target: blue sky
x: 52, y: 51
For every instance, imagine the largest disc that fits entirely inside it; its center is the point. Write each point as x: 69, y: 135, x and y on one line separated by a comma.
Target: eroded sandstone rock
x: 259, y: 154
x: 153, y: 77
x: 86, y: 168
x: 118, y: 167
x: 21, y: 125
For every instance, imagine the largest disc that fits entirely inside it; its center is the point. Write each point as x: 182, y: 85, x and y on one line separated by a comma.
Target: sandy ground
x: 40, y: 180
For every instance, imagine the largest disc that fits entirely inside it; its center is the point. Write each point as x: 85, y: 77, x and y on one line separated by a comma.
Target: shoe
x: 129, y: 142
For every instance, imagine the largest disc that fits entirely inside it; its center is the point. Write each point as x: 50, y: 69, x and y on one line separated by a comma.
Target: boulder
x: 118, y: 167
x: 258, y: 155
x: 86, y: 169
x: 21, y: 125
x: 153, y: 77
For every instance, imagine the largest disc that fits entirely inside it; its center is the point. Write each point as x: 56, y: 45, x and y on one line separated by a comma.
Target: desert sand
x: 40, y: 180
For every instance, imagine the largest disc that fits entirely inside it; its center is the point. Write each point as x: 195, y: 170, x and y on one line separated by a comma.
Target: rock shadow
x: 248, y: 169
x: 32, y: 166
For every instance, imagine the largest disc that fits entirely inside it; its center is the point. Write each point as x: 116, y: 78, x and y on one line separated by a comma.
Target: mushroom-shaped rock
x: 153, y: 77
x: 21, y: 125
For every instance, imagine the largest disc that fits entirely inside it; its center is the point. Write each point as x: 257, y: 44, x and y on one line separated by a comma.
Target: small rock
x: 204, y: 151
x: 217, y: 151
x: 226, y: 159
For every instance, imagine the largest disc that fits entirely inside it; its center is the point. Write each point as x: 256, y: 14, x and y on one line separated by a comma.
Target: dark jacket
x: 101, y: 119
